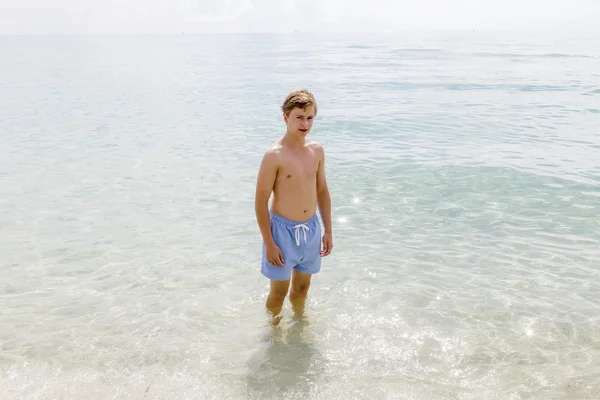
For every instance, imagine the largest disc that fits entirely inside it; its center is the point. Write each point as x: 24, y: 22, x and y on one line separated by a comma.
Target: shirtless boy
x: 293, y: 170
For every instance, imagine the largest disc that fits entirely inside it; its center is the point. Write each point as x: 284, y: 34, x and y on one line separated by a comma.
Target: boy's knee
x: 279, y: 293
x: 303, y: 287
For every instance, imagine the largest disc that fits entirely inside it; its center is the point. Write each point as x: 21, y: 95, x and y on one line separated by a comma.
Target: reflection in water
x: 288, y: 363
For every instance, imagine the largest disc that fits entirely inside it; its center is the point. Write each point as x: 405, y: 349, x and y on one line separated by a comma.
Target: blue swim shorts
x: 300, y: 244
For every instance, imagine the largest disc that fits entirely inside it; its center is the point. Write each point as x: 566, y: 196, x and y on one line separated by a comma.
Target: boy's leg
x: 299, y: 293
x: 276, y: 298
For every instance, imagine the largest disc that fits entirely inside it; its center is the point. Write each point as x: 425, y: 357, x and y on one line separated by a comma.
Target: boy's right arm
x: 264, y: 187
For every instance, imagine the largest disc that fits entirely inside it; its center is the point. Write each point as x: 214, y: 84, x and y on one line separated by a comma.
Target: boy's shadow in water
x: 287, y: 364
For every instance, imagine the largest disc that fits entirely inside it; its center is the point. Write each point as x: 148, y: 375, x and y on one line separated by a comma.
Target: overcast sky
x: 190, y: 16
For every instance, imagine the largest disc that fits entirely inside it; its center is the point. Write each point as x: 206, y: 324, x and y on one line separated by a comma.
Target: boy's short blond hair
x: 300, y: 98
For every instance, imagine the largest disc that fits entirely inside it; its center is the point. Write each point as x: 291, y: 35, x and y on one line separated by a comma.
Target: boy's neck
x: 293, y: 140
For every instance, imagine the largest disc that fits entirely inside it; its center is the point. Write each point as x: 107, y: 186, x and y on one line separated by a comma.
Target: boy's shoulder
x: 272, y: 154
x: 274, y: 149
x: 316, y: 146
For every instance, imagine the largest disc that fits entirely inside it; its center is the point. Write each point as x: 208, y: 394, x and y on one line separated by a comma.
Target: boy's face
x: 300, y: 121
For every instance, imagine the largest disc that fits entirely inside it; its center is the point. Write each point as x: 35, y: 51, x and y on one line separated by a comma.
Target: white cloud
x: 175, y: 16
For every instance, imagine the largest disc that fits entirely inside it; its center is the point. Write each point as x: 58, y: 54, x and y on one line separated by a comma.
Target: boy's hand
x: 274, y: 255
x: 327, y: 245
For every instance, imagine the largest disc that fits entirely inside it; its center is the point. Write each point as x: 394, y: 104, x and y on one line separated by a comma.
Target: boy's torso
x: 295, y: 189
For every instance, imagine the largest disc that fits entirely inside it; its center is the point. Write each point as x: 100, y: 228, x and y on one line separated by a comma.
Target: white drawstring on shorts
x: 304, y: 229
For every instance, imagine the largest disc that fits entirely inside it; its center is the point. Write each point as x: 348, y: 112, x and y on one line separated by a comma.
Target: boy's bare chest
x: 295, y: 169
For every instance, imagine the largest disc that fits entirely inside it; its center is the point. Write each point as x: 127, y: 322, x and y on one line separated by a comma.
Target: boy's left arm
x: 324, y: 202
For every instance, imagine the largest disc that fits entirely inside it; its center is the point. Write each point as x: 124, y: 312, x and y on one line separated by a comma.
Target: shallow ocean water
x: 465, y: 179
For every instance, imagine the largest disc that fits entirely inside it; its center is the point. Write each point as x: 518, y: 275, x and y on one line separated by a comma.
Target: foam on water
x: 465, y: 179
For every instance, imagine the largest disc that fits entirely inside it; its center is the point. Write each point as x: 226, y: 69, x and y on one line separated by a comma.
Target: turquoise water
x: 465, y: 179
